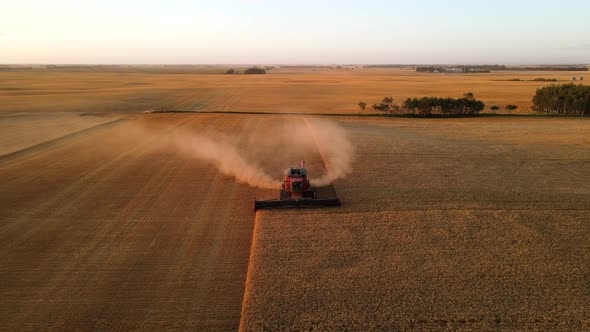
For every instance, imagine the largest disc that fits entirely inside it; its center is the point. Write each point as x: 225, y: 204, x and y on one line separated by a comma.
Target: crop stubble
x: 23, y: 130
x: 111, y: 230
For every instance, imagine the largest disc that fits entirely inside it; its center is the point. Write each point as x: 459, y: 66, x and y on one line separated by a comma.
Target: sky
x: 295, y: 32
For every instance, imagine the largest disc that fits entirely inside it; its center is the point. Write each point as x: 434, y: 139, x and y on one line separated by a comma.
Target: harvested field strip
x: 76, y: 189
x: 53, y: 142
x: 125, y: 234
x: 22, y: 131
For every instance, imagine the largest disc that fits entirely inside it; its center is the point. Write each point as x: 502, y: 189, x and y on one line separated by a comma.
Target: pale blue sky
x: 302, y: 32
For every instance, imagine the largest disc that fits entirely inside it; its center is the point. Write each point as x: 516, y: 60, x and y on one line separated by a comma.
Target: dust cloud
x: 335, y: 148
x: 227, y: 158
x: 244, y: 159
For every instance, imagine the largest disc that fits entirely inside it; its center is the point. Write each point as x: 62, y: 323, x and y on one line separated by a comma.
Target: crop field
x: 446, y: 224
x: 282, y: 90
x: 24, y: 130
x: 112, y: 219
x: 110, y: 229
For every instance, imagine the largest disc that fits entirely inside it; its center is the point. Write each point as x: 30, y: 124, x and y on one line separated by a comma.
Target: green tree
x: 426, y: 106
x: 254, y: 71
x: 565, y: 99
x: 511, y: 107
x: 362, y: 106
x: 495, y: 108
x: 387, y: 105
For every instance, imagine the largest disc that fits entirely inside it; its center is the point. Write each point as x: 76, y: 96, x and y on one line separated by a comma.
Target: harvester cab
x: 296, y: 191
x: 296, y: 184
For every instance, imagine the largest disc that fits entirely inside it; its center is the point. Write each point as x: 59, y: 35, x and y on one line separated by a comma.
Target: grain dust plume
x: 273, y: 146
x: 227, y: 158
x: 335, y: 148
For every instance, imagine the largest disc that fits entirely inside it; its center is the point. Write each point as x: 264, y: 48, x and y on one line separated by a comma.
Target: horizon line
x: 292, y: 64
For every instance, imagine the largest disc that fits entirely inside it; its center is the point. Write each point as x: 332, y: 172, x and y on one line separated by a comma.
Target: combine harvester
x: 296, y: 192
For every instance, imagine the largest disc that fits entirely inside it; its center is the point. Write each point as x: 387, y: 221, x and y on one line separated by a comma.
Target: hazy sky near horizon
x: 296, y: 32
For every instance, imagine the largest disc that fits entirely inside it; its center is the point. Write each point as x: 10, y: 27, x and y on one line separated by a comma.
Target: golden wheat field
x: 115, y: 219
x: 446, y: 224
x: 282, y: 90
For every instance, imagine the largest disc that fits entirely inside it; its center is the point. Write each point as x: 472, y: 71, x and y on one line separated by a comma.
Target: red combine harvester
x: 296, y: 191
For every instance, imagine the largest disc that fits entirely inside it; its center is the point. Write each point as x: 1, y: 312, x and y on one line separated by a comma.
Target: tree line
x: 249, y: 71
x: 490, y: 68
x: 566, y: 99
x: 509, y: 108
x: 429, y: 106
x: 462, y: 69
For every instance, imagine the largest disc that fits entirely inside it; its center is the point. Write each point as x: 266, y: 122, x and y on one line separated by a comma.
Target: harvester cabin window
x: 297, y: 172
